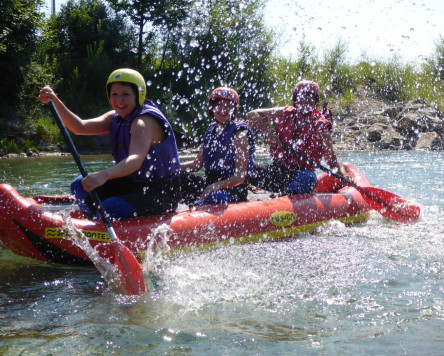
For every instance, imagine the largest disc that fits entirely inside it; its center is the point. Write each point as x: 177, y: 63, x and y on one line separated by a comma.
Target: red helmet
x: 307, y: 90
x: 227, y: 94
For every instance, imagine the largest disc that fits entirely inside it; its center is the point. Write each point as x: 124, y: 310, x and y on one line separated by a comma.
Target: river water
x: 372, y: 289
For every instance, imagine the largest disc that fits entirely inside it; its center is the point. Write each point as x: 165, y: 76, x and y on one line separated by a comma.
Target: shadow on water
x: 19, y: 274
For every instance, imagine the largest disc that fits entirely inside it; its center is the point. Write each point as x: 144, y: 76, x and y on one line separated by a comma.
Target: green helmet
x: 127, y: 75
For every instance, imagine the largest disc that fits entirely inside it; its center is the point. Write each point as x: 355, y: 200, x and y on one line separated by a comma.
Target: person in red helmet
x: 298, y: 128
x: 227, y: 155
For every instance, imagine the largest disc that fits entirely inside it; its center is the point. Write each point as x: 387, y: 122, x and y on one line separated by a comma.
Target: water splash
x: 108, y: 271
x: 155, y: 254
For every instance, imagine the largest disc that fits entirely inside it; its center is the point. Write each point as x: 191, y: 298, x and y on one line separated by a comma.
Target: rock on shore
x: 375, y: 125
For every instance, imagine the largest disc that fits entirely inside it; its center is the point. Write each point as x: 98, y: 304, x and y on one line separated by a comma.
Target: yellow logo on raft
x: 283, y: 218
x: 57, y: 233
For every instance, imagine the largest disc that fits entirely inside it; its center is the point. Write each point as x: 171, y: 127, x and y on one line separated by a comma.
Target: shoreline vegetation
x: 373, y: 125
x: 384, y: 127
x: 377, y: 104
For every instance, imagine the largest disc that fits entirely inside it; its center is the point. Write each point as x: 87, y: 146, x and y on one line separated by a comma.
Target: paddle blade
x: 129, y: 268
x: 390, y: 205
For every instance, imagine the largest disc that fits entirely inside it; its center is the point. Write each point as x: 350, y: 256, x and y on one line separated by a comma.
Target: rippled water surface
x: 372, y: 289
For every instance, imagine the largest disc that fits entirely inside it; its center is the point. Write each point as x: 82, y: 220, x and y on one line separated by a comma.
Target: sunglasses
x: 217, y: 101
x: 307, y: 97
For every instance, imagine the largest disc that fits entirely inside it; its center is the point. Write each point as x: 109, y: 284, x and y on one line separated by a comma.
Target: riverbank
x: 372, y: 125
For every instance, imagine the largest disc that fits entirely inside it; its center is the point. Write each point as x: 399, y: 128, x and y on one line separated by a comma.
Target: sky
x: 377, y: 29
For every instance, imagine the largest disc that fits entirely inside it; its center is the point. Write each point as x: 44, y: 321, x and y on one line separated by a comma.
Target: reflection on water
x: 47, y: 175
x: 372, y: 289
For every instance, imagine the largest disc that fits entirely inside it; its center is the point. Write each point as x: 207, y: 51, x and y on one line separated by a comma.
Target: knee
x: 76, y: 186
x: 309, y: 179
x: 304, y: 183
x: 118, y: 208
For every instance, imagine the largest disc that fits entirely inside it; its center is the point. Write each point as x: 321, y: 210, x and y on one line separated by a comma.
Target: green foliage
x: 344, y: 103
x: 87, y: 86
x: 9, y: 145
x: 306, y: 59
x: 90, y: 41
x: 184, y: 49
x: 429, y: 88
x: 46, y: 130
x: 28, y: 144
x: 221, y: 43
x: 35, y: 77
x: 13, y: 146
x: 390, y: 80
x: 19, y: 25
x: 434, y: 66
x: 284, y: 79
x: 333, y: 74
x: 430, y: 80
x: 164, y: 16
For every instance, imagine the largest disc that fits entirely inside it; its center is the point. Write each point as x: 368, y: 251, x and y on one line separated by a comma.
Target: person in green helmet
x: 145, y: 178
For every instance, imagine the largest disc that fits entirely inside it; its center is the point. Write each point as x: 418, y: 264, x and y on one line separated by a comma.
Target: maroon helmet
x: 307, y: 91
x: 224, y: 93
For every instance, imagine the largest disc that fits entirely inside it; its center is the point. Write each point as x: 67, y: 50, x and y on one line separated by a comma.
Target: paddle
x: 389, y: 205
x: 129, y: 268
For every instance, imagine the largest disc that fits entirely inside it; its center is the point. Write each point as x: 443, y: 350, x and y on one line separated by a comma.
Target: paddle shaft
x: 130, y: 269
x: 82, y: 169
x: 394, y: 211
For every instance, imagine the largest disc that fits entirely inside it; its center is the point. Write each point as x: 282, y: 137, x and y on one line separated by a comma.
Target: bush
x: 334, y: 73
x: 46, y: 130
x: 28, y: 144
x: 9, y: 145
x: 390, y: 80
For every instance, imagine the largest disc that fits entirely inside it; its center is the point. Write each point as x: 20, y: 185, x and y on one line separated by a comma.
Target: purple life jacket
x: 219, y: 150
x: 162, y: 161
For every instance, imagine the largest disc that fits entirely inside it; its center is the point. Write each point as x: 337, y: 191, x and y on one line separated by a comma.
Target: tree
x: 19, y: 26
x: 306, y: 58
x: 435, y: 64
x: 88, y: 42
x: 159, y: 14
x: 221, y: 43
x: 334, y: 72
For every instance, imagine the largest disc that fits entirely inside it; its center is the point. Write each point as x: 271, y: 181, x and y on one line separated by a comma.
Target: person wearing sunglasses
x: 227, y: 155
x: 292, y: 131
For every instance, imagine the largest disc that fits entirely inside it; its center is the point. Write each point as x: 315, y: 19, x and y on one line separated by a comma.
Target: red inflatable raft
x: 29, y: 226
